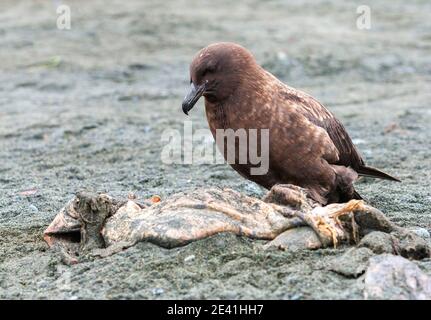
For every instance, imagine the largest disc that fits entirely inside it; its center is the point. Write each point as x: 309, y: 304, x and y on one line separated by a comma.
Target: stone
x: 189, y: 258
x: 353, y: 263
x: 395, y: 278
x: 377, y: 241
x: 402, y: 242
x: 421, y: 232
x: 410, y: 245
x: 296, y: 239
x: 33, y: 208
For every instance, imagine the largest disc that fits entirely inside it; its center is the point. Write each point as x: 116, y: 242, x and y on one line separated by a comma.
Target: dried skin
x: 184, y: 218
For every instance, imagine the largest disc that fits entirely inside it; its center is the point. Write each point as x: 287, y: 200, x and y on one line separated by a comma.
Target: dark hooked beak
x: 193, y: 96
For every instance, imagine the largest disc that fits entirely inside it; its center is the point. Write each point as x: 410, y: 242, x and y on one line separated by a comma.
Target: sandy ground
x: 85, y: 109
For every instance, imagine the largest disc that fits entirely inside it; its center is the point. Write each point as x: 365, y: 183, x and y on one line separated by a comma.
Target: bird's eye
x: 209, y: 69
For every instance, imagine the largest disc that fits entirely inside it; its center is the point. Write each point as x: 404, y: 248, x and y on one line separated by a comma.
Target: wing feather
x: 322, y: 117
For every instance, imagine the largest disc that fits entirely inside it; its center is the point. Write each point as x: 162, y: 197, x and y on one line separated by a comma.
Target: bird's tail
x: 356, y: 195
x: 375, y: 173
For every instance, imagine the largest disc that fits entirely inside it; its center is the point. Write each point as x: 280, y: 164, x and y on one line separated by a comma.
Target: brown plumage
x: 308, y: 146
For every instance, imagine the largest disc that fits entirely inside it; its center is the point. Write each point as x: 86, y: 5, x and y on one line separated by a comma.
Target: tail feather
x: 357, y: 196
x: 375, y: 173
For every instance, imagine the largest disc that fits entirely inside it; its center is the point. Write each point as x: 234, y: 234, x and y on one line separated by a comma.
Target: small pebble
x: 421, y: 232
x: 155, y: 199
x: 189, y: 258
x: 147, y: 129
x: 296, y: 296
x: 281, y: 55
x: 33, y: 208
x: 358, y: 141
x: 43, y: 284
x: 131, y: 196
x: 157, y: 291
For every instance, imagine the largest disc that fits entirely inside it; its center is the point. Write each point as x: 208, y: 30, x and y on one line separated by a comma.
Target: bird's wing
x: 317, y: 114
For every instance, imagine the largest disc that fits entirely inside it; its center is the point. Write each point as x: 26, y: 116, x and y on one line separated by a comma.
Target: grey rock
x: 378, y: 242
x: 421, y: 232
x: 33, y: 208
x: 394, y: 277
x: 189, y: 258
x: 296, y: 239
x: 353, y: 263
x: 158, y: 291
x: 402, y: 242
x: 410, y: 245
